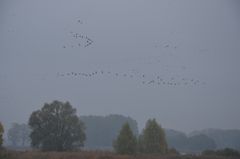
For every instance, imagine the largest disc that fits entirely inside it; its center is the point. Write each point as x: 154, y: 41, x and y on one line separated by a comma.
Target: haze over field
x: 176, y: 61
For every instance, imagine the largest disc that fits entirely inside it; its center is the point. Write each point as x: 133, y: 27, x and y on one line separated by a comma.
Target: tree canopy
x: 1, y: 134
x: 56, y: 127
x: 126, y: 142
x: 153, y: 139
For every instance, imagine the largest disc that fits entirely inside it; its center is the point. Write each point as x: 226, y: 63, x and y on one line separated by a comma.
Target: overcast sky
x: 176, y: 61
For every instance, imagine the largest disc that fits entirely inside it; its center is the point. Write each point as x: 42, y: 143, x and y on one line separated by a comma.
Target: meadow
x: 8, y: 154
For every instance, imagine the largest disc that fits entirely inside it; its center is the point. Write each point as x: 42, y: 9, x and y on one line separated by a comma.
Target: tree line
x: 56, y: 127
x: 151, y: 141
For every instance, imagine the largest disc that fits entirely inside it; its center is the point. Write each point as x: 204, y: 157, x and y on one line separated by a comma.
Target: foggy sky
x: 192, y: 39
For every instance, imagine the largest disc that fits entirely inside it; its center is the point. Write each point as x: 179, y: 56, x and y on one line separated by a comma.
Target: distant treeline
x: 102, y: 130
x: 99, y: 132
x: 201, y: 140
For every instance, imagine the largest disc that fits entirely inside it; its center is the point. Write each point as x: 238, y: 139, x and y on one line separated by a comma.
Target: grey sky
x: 177, y: 40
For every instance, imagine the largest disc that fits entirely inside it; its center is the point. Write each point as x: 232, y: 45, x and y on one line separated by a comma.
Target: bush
x: 228, y: 152
x: 173, y: 151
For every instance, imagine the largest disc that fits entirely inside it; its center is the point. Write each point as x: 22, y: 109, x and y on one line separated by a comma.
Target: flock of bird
x: 79, y: 39
x: 165, y: 45
x: 142, y: 78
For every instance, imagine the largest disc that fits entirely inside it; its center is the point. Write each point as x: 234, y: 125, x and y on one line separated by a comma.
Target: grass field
x: 94, y: 155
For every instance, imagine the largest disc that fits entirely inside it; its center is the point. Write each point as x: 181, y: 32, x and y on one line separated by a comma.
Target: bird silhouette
x: 154, y: 81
